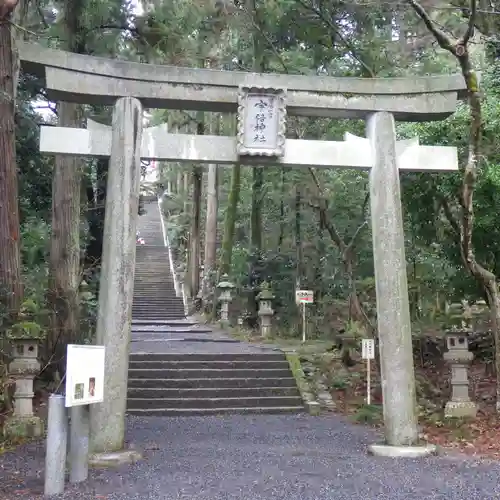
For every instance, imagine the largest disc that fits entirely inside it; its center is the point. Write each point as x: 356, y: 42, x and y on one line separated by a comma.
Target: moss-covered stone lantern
x: 266, y: 312
x: 25, y: 337
x: 225, y: 297
x: 459, y: 357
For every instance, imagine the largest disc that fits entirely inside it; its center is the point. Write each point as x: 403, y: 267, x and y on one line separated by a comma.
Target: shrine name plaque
x: 261, y: 121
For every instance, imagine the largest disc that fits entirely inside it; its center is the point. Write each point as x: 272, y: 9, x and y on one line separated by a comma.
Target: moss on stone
x: 25, y: 330
x: 300, y: 378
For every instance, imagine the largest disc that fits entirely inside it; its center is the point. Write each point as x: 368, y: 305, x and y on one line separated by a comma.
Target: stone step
x: 157, y: 302
x: 206, y: 383
x: 158, y: 310
x: 167, y: 330
x: 158, y: 276
x: 154, y: 277
x: 158, y: 313
x: 203, y: 357
x: 180, y: 412
x: 212, y: 365
x: 234, y: 402
x: 158, y: 317
x: 212, y: 392
x: 161, y: 304
x: 177, y: 322
x: 158, y: 294
x: 208, y: 373
x: 165, y: 290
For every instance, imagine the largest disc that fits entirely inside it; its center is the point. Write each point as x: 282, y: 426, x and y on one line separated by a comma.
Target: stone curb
x: 114, y: 459
x: 384, y: 450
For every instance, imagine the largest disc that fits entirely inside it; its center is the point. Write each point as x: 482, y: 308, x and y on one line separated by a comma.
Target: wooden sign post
x: 304, y: 297
x: 368, y: 353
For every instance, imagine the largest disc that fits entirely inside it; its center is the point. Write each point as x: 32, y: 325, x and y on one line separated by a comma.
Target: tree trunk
x: 211, y: 228
x: 230, y: 221
x: 93, y: 252
x: 185, y: 190
x: 10, y: 275
x: 195, y: 236
x: 64, y: 272
x: 64, y: 278
x: 257, y: 177
x: 282, y: 211
x: 298, y: 238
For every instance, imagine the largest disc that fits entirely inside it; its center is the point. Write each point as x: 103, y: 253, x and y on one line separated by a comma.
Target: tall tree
x: 211, y: 224
x: 464, y: 225
x: 257, y: 172
x: 10, y: 278
x: 64, y: 271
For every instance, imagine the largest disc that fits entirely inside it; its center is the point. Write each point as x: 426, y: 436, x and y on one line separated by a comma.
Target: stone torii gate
x: 129, y: 86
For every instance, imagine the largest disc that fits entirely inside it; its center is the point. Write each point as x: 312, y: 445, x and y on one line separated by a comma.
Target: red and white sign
x: 304, y: 296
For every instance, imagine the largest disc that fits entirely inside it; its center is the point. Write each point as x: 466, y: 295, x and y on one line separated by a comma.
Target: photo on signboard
x: 79, y: 391
x: 92, y: 387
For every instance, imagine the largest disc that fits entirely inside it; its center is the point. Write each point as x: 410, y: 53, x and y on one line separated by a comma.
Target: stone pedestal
x: 225, y: 297
x: 266, y: 312
x: 23, y: 369
x: 459, y: 358
x: 107, y: 419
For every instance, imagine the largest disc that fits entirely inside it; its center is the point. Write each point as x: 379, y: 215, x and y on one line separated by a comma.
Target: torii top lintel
x: 96, y: 80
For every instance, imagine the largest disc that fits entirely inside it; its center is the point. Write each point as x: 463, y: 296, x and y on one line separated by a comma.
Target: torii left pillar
x: 107, y: 419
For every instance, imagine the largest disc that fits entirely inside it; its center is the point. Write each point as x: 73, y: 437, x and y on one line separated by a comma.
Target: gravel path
x: 258, y: 457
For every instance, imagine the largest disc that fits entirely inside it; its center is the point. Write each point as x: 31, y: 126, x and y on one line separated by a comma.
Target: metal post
x: 55, y: 455
x: 79, y: 444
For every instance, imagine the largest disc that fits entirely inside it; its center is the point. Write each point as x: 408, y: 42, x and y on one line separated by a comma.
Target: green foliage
x: 368, y: 414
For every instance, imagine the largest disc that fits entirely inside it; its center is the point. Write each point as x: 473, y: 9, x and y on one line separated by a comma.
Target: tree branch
x: 472, y: 20
x: 331, y: 26
x: 449, y: 214
x: 332, y: 230
x: 444, y: 41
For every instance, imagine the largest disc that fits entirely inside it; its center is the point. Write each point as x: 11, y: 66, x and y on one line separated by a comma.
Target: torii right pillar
x: 393, y: 311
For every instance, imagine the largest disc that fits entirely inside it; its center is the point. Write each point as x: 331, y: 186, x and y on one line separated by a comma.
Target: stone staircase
x: 178, y: 367
x: 212, y: 383
x: 155, y: 298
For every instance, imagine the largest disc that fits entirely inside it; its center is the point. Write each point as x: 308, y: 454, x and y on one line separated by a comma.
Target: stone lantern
x: 266, y: 312
x: 225, y: 297
x: 459, y: 358
x: 25, y: 337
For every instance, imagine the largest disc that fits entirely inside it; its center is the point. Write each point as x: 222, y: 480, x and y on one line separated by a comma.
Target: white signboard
x: 261, y: 121
x: 368, y: 349
x: 84, y: 374
x: 304, y: 296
